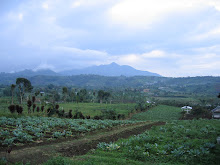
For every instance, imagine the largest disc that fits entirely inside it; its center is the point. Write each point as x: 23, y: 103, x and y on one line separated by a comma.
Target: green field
x: 91, y: 109
x: 178, y: 142
x: 160, y: 113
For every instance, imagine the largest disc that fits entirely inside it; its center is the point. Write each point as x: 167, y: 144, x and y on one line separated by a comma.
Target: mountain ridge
x: 112, y: 69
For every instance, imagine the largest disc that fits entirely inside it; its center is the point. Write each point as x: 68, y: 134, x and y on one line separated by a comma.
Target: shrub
x: 12, y: 108
x: 42, y: 108
x: 60, y: 113
x: 57, y: 106
x: 33, y: 99
x: 109, y: 114
x: 19, y: 109
x: 97, y: 118
x: 70, y: 115
x: 38, y: 109
x: 29, y: 104
x: 78, y: 115
x: 34, y: 106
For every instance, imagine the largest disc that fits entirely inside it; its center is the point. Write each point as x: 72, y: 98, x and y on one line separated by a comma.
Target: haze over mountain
x: 112, y: 69
x: 31, y: 73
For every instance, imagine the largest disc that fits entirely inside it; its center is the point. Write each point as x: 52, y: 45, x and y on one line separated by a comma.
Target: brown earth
x: 70, y: 147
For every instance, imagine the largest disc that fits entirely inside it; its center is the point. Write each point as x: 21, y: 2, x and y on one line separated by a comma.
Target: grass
x: 107, y: 159
x: 160, y: 113
x: 94, y: 109
x: 91, y: 109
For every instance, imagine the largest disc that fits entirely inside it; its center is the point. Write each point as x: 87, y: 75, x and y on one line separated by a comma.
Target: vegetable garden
x: 178, y: 142
x: 34, y: 129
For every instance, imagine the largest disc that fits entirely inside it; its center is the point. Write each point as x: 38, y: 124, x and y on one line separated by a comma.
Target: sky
x: 170, y: 37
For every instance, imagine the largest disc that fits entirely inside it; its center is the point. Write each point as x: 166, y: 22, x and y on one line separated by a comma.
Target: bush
x: 201, y: 112
x: 34, y: 106
x: 38, y: 109
x: 60, y: 113
x: 57, y: 106
x: 42, y: 108
x: 109, y: 114
x: 70, y: 115
x: 19, y: 109
x: 78, y: 115
x: 121, y: 116
x: 12, y: 108
x: 29, y: 104
x: 97, y: 118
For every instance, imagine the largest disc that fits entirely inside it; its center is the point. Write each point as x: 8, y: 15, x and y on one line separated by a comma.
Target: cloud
x: 213, y: 33
x: 45, y: 6
x: 154, y: 54
x: 65, y: 58
x: 172, y: 64
x: 142, y: 14
x: 169, y: 37
x: 15, y: 16
x: 44, y: 66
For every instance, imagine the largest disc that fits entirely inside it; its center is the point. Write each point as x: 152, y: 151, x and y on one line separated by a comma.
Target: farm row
x: 32, y: 129
x: 178, y: 142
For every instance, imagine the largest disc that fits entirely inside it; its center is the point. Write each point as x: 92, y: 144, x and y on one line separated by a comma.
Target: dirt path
x: 71, y: 147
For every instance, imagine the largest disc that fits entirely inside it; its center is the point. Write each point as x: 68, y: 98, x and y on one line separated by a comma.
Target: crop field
x: 91, y: 109
x: 34, y: 129
x: 94, y: 109
x: 160, y: 113
x: 178, y: 142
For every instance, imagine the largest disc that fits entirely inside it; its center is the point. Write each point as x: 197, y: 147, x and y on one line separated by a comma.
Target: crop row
x: 28, y: 129
x: 191, y: 142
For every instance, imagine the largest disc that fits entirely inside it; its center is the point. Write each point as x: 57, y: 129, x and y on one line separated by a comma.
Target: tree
x: 72, y: 95
x: 24, y: 85
x: 93, y: 96
x: 65, y: 92
x: 12, y: 92
x: 101, y: 95
x: 29, y: 104
x: 106, y: 96
x: 83, y: 95
x: 219, y: 95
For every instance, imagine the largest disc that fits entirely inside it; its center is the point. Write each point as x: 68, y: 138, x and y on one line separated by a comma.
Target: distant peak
x: 113, y: 63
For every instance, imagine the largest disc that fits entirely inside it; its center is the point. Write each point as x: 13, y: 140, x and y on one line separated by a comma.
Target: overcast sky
x: 170, y: 37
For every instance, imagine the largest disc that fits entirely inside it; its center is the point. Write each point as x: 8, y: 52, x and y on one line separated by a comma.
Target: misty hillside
x: 30, y: 73
x: 186, y: 84
x: 112, y: 69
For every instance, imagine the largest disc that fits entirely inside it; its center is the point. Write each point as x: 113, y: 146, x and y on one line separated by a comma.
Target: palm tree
x: 12, y: 92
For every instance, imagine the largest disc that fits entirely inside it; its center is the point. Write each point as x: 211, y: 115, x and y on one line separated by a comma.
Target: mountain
x: 112, y: 69
x: 30, y: 73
